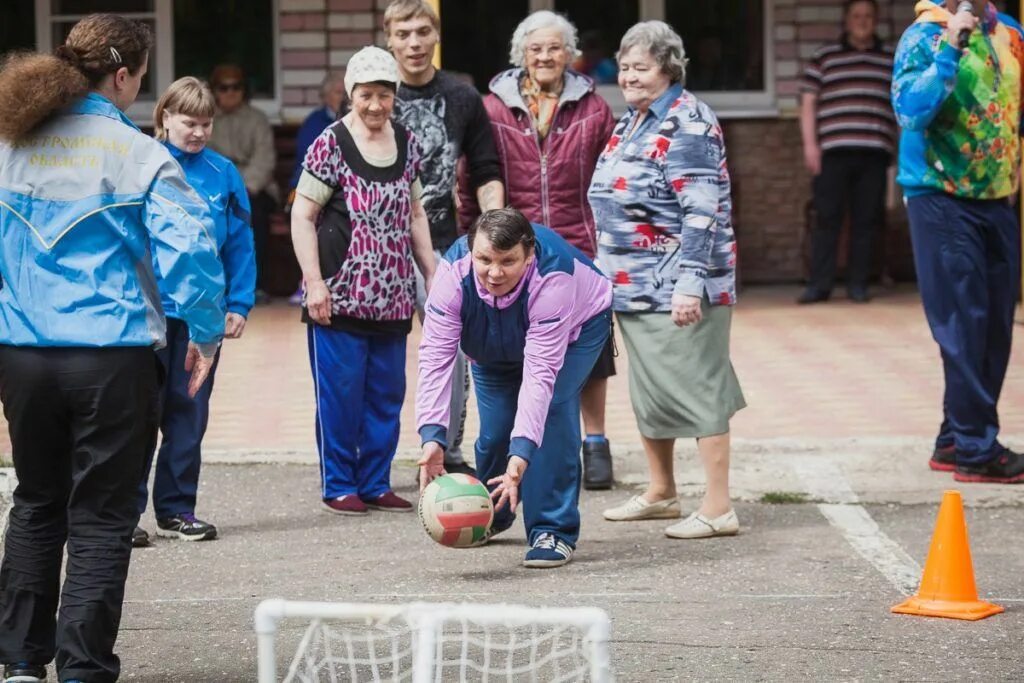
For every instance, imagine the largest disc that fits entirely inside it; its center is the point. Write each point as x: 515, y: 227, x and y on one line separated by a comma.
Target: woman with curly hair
x: 88, y: 205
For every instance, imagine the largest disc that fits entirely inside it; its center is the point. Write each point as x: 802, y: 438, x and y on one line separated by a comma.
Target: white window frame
x: 727, y: 105
x: 141, y: 112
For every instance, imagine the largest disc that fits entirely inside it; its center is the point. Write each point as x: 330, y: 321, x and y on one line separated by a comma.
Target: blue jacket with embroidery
x: 87, y: 205
x: 216, y: 180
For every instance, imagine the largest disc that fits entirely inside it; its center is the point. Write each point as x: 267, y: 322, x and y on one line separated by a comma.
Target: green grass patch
x: 784, y: 498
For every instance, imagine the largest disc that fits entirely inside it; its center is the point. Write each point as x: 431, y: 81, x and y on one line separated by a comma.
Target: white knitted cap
x: 369, y: 65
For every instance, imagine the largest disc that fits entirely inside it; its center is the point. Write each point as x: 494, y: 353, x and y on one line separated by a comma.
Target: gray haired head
x: 331, y: 79
x: 662, y: 43
x: 540, y: 20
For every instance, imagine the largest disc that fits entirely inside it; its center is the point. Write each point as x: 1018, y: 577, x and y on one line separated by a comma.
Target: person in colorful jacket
x: 960, y: 111
x: 182, y: 120
x: 549, y: 128
x: 532, y: 313
x: 357, y: 226
x: 88, y: 206
x: 661, y: 197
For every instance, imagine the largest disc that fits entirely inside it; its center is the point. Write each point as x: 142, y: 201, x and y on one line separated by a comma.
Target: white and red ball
x: 456, y: 511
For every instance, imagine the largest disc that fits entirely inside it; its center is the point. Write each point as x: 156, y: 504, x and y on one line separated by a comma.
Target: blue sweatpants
x: 967, y: 254
x: 550, y: 489
x: 183, y: 423
x: 359, y: 382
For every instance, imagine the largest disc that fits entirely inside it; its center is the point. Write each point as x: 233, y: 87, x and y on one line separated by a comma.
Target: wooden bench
x: 283, y: 274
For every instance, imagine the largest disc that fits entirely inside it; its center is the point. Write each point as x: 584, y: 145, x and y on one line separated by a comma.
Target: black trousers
x: 262, y: 205
x: 850, y: 179
x: 81, y: 423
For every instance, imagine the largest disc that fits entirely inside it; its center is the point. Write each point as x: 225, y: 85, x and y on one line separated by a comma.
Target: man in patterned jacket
x: 960, y: 171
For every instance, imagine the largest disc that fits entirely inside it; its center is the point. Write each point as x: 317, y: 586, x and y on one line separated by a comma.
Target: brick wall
x: 318, y: 35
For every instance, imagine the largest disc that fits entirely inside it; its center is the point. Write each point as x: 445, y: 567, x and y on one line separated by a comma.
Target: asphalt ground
x: 790, y: 598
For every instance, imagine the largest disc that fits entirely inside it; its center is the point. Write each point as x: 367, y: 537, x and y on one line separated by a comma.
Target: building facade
x: 746, y: 57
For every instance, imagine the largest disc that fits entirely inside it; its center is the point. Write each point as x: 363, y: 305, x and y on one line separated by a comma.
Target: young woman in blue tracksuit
x: 183, y: 120
x: 90, y: 208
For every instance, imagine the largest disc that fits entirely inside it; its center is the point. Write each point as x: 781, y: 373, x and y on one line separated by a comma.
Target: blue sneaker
x: 23, y: 672
x: 548, y: 551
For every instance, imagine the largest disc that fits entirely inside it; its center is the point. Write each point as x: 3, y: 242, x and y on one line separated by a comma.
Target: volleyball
x: 456, y: 511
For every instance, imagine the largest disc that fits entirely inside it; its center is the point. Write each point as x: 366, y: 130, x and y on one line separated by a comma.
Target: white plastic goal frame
x: 426, y: 619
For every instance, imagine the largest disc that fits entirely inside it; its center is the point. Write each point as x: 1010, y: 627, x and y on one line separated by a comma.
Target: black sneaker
x: 461, y: 468
x: 23, y: 672
x: 1005, y: 468
x: 813, y: 296
x: 186, y: 527
x: 858, y: 295
x: 140, y: 538
x: 495, y: 530
x: 597, y: 465
x: 943, y: 459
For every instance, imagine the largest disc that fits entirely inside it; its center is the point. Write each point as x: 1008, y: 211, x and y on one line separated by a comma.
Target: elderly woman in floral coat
x: 660, y: 195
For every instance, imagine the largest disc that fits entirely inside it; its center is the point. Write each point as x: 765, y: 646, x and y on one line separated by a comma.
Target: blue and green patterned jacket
x: 662, y: 207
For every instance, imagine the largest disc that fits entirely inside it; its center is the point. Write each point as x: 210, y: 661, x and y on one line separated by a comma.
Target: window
x: 190, y: 38
x: 724, y: 42
x: 476, y: 34
x: 237, y: 31
x: 728, y: 44
x: 17, y: 26
x: 600, y: 25
x: 64, y: 14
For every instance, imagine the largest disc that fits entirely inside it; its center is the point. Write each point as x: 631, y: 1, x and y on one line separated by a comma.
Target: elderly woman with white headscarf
x: 357, y: 225
x: 549, y: 127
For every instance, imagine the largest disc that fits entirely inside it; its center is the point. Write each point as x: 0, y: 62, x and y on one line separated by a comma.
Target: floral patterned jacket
x: 662, y: 207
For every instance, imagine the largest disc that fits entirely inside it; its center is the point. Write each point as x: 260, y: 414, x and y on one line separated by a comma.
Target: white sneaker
x: 699, y: 526
x: 637, y: 507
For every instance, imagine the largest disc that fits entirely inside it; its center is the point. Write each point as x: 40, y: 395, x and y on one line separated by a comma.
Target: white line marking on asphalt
x: 787, y: 596
x: 372, y: 596
x: 825, y: 480
x: 420, y: 596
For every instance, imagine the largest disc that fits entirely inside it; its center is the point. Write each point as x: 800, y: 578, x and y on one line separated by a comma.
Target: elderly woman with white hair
x: 549, y: 128
x: 661, y: 196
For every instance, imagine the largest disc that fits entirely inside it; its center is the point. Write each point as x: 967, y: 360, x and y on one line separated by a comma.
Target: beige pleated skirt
x: 681, y: 380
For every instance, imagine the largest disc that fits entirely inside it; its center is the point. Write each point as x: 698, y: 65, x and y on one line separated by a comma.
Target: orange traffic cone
x: 947, y: 588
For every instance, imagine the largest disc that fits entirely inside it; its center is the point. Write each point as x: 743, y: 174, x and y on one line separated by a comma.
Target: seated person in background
x: 332, y: 94
x: 244, y: 136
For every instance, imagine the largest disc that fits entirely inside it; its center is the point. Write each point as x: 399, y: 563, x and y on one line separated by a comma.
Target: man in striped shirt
x: 849, y: 133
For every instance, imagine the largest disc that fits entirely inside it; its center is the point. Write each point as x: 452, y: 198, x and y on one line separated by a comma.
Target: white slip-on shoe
x: 699, y: 526
x: 637, y: 508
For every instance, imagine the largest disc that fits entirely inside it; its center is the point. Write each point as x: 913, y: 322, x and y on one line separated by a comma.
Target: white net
x: 422, y: 642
